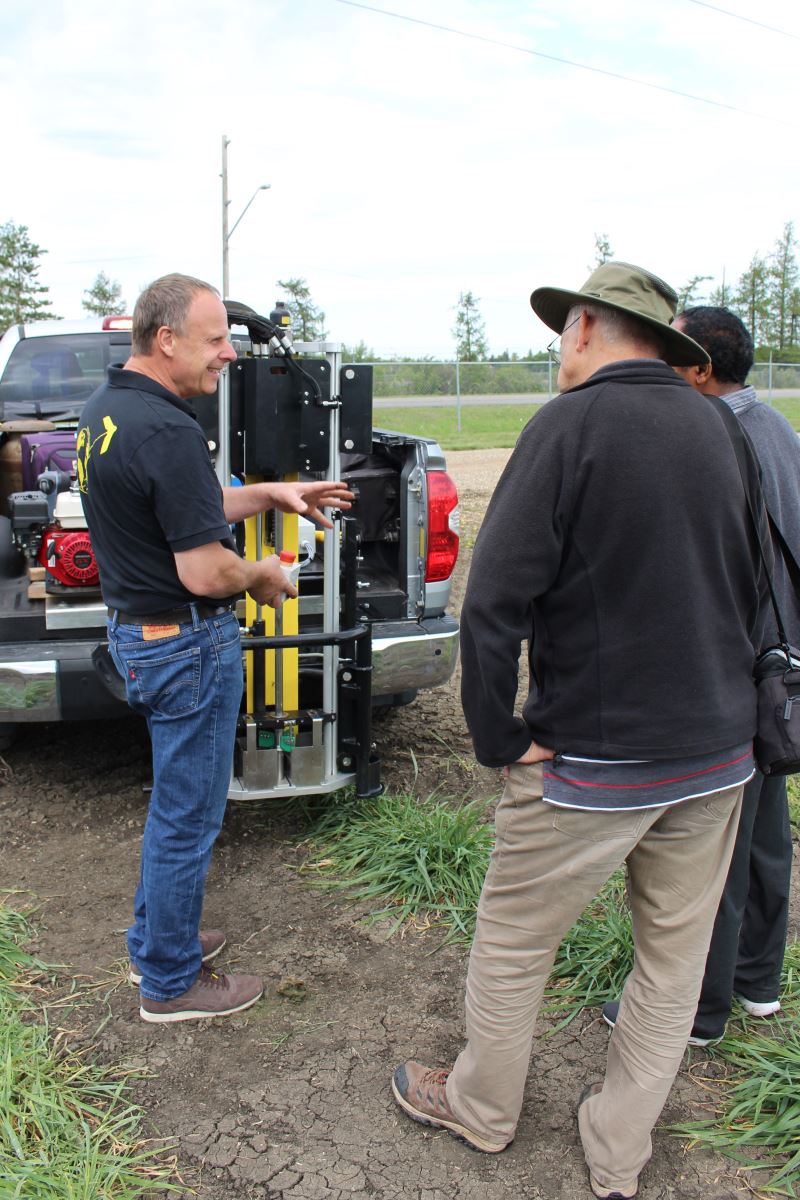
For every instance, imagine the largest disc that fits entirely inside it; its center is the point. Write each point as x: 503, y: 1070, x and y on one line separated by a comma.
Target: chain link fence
x: 769, y: 377
x: 516, y: 382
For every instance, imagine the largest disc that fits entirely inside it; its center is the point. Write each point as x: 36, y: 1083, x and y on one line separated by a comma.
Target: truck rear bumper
x: 61, y: 681
x: 408, y: 656
x: 64, y: 680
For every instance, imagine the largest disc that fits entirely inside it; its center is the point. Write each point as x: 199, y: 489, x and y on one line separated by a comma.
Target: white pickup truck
x: 54, y: 665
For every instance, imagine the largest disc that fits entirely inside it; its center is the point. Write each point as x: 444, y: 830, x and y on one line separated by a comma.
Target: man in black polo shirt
x: 169, y: 570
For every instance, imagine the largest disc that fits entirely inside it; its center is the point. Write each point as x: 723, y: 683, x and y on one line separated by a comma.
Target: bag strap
x: 791, y: 562
x: 744, y: 454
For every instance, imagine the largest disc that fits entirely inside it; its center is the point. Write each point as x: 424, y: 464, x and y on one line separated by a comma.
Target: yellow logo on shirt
x: 84, y: 446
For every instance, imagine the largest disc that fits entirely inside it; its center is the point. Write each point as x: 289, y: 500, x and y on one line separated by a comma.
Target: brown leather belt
x: 175, y: 616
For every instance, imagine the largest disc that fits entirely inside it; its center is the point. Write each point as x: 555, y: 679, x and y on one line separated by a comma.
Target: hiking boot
x: 598, y: 1189
x: 421, y: 1093
x: 211, y: 942
x: 758, y: 1008
x: 611, y: 1012
x: 603, y: 1193
x: 210, y: 995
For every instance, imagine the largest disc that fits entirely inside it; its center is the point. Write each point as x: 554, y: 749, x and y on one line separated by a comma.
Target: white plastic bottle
x: 290, y: 566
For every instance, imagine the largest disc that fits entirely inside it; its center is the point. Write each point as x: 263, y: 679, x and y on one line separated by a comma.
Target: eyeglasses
x: 554, y: 349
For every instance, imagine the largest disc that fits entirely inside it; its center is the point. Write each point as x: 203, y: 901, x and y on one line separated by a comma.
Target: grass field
x: 492, y: 426
x: 67, y: 1128
x: 790, y: 407
x: 483, y: 427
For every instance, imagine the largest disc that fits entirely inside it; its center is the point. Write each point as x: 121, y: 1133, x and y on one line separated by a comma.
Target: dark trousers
x: 749, y: 938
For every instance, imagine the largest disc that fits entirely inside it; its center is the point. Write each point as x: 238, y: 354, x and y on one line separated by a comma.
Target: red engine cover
x: 69, y: 557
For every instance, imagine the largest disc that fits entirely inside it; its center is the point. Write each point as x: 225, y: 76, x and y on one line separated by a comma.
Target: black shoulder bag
x: 777, y: 670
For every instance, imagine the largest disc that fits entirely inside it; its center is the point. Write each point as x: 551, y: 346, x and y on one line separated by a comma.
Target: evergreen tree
x: 602, y: 251
x: 104, y: 297
x: 22, y: 297
x: 722, y: 296
x: 794, y: 327
x: 783, y: 278
x: 359, y: 353
x: 751, y: 300
x: 469, y: 330
x: 308, y: 321
x: 687, y: 295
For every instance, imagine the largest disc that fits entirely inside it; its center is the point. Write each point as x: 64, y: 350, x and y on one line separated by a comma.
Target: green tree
x: 783, y: 278
x: 308, y: 321
x: 22, y: 297
x: 722, y: 296
x: 794, y: 330
x: 687, y: 295
x: 104, y: 297
x: 751, y: 299
x: 359, y: 353
x: 602, y: 251
x: 469, y: 330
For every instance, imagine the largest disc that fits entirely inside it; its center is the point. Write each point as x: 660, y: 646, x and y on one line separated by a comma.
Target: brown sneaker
x: 211, y: 942
x: 210, y: 995
x: 421, y: 1093
x: 599, y: 1189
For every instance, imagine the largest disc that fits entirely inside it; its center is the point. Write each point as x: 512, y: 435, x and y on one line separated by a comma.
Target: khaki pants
x: 547, y: 865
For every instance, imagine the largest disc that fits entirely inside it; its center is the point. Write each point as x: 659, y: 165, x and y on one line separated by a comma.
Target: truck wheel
x: 388, y: 705
x: 8, y: 735
x: 12, y: 560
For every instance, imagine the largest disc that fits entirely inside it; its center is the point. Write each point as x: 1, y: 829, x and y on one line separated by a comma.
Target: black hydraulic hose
x: 265, y: 333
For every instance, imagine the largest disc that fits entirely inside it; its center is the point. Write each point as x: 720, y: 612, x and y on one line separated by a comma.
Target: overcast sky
x: 406, y: 163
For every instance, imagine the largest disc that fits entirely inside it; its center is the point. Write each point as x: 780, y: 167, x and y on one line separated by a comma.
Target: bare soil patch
x: 292, y: 1099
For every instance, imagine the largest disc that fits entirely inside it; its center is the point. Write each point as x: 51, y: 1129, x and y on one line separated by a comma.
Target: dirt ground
x: 292, y: 1098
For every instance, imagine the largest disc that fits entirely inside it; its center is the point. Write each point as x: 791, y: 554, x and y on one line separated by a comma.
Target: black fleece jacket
x: 618, y: 543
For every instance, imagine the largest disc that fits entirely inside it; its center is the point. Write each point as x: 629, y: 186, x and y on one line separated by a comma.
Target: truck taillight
x: 443, y: 527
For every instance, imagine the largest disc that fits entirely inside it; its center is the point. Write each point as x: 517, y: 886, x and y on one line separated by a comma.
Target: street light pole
x: 225, y: 203
x: 226, y: 233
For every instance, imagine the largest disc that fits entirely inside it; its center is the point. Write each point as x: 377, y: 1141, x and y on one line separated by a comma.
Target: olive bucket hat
x: 627, y: 289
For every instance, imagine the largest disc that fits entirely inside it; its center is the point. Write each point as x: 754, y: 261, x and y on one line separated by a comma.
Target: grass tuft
x: 793, y: 792
x: 756, y: 1120
x: 424, y: 861
x: 67, y: 1131
x: 420, y: 860
x: 595, y: 958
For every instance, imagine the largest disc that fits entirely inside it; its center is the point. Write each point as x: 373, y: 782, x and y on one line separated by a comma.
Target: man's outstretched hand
x: 308, y: 497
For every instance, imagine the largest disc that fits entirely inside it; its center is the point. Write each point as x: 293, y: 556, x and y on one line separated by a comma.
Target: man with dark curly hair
x: 747, y: 946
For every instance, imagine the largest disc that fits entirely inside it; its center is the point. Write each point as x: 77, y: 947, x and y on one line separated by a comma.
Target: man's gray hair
x: 166, y: 301
x: 619, y: 327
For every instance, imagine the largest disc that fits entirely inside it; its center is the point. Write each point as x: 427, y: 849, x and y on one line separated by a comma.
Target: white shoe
x: 754, y: 1008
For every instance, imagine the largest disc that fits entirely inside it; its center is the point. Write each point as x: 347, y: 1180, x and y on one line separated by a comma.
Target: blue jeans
x: 189, y: 689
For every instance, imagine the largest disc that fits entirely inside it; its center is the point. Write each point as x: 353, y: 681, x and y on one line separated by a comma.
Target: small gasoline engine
x: 49, y: 527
